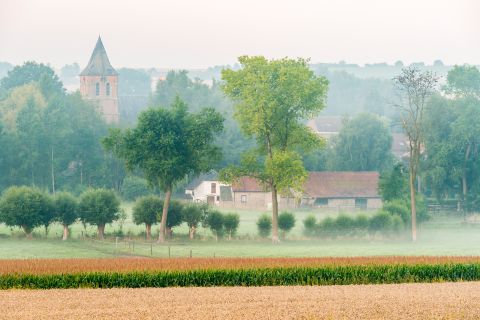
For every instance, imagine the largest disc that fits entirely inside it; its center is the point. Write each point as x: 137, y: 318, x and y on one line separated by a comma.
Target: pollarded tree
x: 231, y: 222
x: 66, y: 210
x: 193, y: 214
x: 215, y: 220
x: 24, y: 207
x: 175, y: 216
x: 99, y: 207
x: 286, y: 221
x: 145, y: 211
x: 272, y: 101
x: 169, y: 143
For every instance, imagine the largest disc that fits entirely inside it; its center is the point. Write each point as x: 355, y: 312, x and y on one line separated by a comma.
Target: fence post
x: 190, y: 253
x: 133, y: 246
x: 116, y: 243
x: 169, y: 251
x: 151, y: 249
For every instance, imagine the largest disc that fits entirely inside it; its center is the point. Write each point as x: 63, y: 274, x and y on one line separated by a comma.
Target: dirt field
x: 405, y: 301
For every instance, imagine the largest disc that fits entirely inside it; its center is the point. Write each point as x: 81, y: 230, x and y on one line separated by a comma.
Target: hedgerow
x: 328, y: 275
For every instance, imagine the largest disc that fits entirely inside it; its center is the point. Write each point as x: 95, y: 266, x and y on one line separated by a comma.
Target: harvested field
x: 404, y: 301
x: 64, y: 266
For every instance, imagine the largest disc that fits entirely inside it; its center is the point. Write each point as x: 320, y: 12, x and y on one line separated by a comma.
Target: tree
x: 193, y: 214
x: 215, y: 222
x: 175, y: 216
x: 134, y: 187
x: 230, y: 223
x: 66, y: 210
x: 363, y: 144
x: 273, y: 99
x: 168, y: 144
x: 145, y: 211
x: 393, y: 184
x: 264, y: 225
x: 24, y: 207
x: 415, y: 88
x: 286, y: 221
x: 99, y: 207
x: 463, y: 81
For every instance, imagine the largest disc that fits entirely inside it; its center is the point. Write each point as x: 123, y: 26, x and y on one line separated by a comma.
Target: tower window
x: 97, y: 89
x: 107, y: 89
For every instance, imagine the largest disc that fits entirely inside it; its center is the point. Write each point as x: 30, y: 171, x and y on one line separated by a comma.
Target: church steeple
x: 99, y: 65
x: 99, y: 83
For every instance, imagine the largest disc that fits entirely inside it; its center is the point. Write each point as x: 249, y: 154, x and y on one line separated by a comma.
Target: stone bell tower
x: 99, y: 84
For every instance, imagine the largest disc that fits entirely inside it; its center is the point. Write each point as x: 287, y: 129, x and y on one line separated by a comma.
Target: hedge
x: 328, y: 275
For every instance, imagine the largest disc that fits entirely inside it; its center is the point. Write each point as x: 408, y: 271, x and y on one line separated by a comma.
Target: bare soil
x: 403, y: 301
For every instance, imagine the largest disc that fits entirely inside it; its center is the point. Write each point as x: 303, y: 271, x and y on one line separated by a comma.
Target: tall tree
x: 168, y: 144
x: 363, y: 144
x: 415, y: 88
x: 272, y: 101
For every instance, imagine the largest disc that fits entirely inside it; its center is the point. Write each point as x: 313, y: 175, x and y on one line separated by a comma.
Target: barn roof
x: 99, y: 65
x: 247, y: 184
x: 342, y: 185
x: 210, y: 176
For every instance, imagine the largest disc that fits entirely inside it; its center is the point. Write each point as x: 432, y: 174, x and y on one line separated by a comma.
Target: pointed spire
x: 99, y: 65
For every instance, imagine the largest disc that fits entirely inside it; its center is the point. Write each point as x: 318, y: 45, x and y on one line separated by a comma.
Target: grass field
x: 443, y: 235
x: 398, y: 301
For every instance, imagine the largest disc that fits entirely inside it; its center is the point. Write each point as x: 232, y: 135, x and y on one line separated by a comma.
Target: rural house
x: 332, y: 190
x: 205, y: 188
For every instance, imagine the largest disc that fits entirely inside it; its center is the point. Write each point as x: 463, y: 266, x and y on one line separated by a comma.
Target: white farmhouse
x: 205, y: 188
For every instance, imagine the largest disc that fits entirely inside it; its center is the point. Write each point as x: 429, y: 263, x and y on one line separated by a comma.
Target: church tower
x: 99, y: 83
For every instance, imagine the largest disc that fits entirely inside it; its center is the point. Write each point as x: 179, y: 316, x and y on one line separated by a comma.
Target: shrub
x: 145, y: 211
x: 361, y: 222
x: 264, y: 225
x: 25, y: 207
x: 215, y: 222
x: 397, y: 224
x: 309, y: 225
x: 344, y: 223
x: 175, y: 216
x: 193, y: 214
x: 66, y: 210
x: 231, y: 222
x: 398, y: 207
x: 99, y: 207
x: 381, y: 221
x: 286, y: 221
x: 134, y: 187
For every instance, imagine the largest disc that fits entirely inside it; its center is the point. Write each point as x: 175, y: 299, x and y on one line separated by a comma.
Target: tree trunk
x: 163, y: 223
x: 229, y: 235
x: 464, y: 183
x: 274, y: 215
x: 149, y: 231
x: 65, y: 232
x: 413, y: 207
x: 28, y: 232
x: 191, y: 233
x: 101, y: 231
x: 53, y: 174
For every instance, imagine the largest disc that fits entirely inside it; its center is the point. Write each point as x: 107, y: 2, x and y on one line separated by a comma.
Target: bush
x: 397, y: 224
x: 25, y: 207
x: 99, y: 207
x: 398, y: 207
x: 381, y: 221
x: 361, y: 222
x: 66, y: 211
x: 175, y: 216
x: 286, y: 221
x: 309, y: 225
x: 134, y: 187
x: 344, y: 223
x: 145, y: 211
x: 231, y: 222
x: 215, y: 222
x: 264, y: 225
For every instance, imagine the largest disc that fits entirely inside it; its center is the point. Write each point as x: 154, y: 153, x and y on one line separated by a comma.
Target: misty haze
x: 216, y: 144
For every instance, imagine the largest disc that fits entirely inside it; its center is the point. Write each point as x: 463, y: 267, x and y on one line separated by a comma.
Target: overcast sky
x: 197, y: 34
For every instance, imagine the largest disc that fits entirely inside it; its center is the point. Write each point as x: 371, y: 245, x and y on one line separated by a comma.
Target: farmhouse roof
x: 247, y: 184
x: 99, y: 65
x: 342, y: 185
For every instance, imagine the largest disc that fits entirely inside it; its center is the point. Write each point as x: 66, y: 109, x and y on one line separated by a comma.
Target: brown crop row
x: 62, y: 266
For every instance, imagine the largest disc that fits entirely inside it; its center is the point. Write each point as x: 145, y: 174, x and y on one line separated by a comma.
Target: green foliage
x: 25, y: 207
x: 146, y: 210
x: 215, y: 221
x: 463, y: 81
x: 99, y: 207
x: 264, y: 225
x: 381, y: 221
x: 399, y: 208
x: 286, y: 221
x: 309, y: 225
x: 361, y: 222
x: 175, y: 214
x: 325, y: 275
x: 394, y: 184
x: 230, y: 223
x: 363, y: 144
x: 134, y: 187
x: 66, y: 208
x: 194, y: 213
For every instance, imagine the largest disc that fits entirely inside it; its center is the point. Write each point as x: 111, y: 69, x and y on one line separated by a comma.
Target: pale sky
x: 198, y: 34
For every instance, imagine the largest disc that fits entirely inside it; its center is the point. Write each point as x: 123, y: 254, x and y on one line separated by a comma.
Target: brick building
x: 99, y: 84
